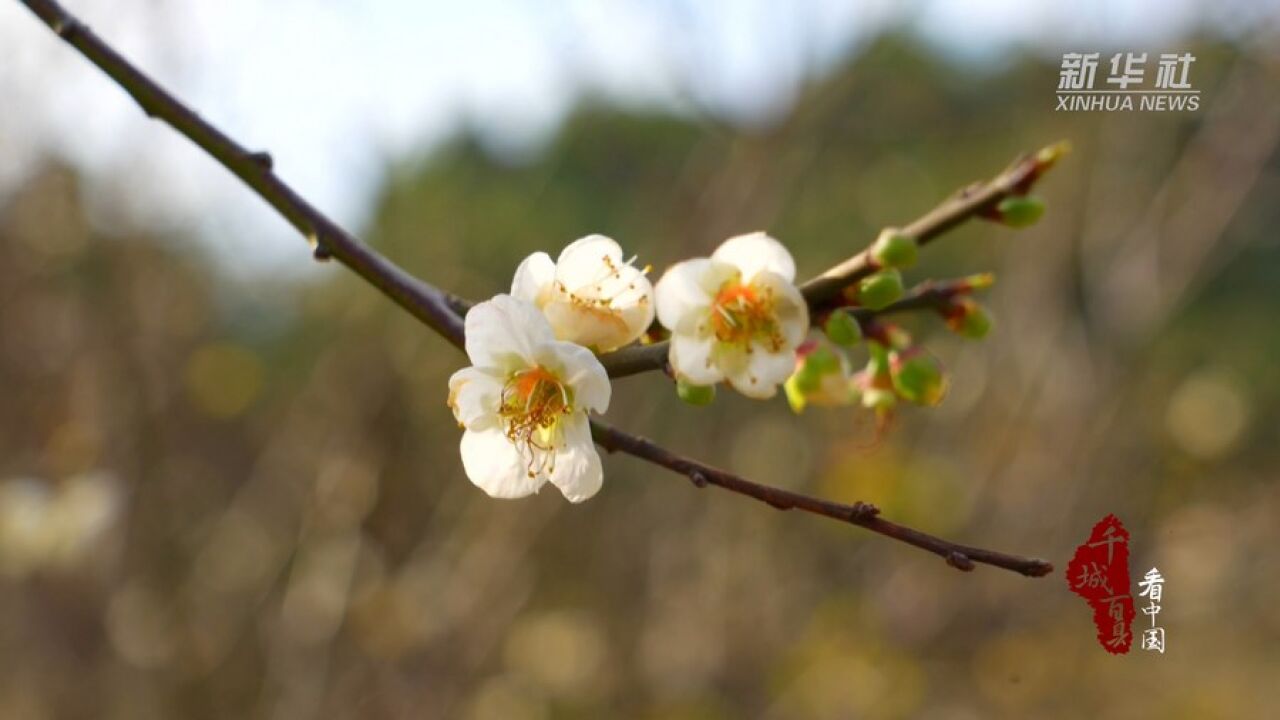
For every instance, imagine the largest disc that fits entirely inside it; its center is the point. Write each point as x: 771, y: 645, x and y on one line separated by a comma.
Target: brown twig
x: 441, y: 311
x: 975, y: 200
x: 937, y: 295
x: 865, y: 515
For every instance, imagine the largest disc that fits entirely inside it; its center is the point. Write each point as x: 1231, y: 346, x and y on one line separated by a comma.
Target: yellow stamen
x: 741, y: 314
x: 533, y: 401
x: 601, y: 301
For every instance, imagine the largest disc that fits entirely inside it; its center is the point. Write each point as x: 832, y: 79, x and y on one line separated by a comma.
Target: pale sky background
x: 332, y: 88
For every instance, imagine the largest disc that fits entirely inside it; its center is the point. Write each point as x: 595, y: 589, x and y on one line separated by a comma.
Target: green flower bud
x: 843, y: 329
x: 976, y: 324
x: 894, y: 249
x: 972, y: 321
x: 695, y: 394
x: 823, y: 360
x: 821, y: 378
x: 918, y: 379
x: 1019, y: 211
x: 881, y: 289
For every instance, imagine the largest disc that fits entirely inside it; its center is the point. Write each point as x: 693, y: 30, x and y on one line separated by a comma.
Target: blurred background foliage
x: 228, y: 497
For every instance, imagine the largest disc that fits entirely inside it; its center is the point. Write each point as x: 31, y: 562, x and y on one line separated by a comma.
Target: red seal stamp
x: 1099, y: 573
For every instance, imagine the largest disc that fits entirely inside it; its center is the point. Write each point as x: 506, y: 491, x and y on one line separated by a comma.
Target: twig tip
x: 1038, y: 568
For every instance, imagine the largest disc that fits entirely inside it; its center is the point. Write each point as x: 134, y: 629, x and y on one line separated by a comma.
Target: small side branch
x: 961, y: 557
x: 975, y: 200
x: 827, y: 290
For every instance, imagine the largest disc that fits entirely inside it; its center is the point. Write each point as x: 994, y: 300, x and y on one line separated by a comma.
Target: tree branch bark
x: 442, y: 312
x: 961, y: 557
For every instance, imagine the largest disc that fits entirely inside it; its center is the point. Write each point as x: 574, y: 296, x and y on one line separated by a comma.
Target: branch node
x: 960, y: 561
x: 321, y: 253
x: 68, y: 27
x: 861, y: 512
x: 697, y: 478
x: 970, y: 190
x: 262, y: 159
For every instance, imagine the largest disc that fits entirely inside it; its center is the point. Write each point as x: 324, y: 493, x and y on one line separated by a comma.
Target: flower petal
x: 535, y: 279
x: 494, y: 464
x: 579, y: 369
x: 639, y: 317
x: 763, y: 371
x: 598, y: 300
x: 684, y: 294
x: 599, y: 327
x: 587, y: 261
x: 474, y: 397
x: 691, y: 358
x: 504, y: 333
x: 755, y: 253
x: 790, y: 309
x: 577, y: 472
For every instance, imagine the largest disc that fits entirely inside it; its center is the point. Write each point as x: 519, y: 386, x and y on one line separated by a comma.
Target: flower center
x: 742, y: 313
x: 533, y: 401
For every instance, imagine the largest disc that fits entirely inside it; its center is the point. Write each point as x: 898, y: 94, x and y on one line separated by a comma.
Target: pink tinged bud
x: 888, y: 335
x: 969, y: 319
x: 803, y: 350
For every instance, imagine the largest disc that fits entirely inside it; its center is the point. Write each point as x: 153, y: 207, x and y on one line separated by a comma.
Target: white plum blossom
x: 590, y: 295
x: 524, y: 404
x: 735, y: 316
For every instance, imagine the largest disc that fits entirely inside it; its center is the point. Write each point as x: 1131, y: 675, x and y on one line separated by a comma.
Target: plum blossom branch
x: 442, y: 312
x: 830, y: 289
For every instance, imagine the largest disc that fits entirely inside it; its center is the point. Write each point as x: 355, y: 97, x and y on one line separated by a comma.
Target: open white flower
x: 524, y: 404
x: 591, y: 296
x: 734, y: 316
